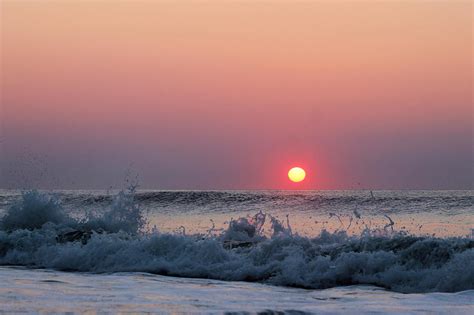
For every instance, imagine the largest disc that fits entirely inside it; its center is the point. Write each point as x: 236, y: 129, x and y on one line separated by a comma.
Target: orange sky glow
x: 230, y: 95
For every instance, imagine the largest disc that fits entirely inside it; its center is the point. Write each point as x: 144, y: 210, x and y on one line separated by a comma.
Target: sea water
x: 237, y: 251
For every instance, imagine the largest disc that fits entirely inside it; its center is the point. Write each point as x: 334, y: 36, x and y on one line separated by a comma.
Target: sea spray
x: 33, y: 211
x: 117, y: 241
x: 123, y: 215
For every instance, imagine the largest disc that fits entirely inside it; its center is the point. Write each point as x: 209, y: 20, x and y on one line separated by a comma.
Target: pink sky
x: 230, y: 95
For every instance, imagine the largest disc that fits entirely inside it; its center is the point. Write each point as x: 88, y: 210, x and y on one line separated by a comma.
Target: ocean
x: 324, y: 252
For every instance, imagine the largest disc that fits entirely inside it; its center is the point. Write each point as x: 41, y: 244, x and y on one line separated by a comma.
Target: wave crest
x: 116, y: 242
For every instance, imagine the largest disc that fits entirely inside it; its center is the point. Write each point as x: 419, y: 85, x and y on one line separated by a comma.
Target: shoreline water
x: 48, y: 291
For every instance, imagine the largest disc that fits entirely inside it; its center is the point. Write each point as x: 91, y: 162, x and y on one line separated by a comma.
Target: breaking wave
x: 445, y: 202
x: 36, y: 232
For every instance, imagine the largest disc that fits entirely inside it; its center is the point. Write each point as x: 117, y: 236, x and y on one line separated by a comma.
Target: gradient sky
x: 230, y: 95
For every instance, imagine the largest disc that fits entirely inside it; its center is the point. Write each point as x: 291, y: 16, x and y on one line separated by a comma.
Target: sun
x: 296, y: 174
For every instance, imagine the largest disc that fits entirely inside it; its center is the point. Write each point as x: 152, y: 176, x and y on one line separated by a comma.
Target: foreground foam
x: 395, y: 261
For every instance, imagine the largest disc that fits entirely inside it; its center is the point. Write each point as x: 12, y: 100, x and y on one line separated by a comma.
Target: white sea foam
x: 115, y: 240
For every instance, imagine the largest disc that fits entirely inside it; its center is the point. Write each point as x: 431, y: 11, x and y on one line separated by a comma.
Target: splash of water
x: 33, y: 211
x: 117, y: 242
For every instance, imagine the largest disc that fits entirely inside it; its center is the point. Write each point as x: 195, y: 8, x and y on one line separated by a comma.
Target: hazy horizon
x: 230, y: 95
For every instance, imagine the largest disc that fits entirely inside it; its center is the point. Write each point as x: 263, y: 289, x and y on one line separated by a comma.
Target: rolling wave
x: 444, y: 202
x: 36, y: 232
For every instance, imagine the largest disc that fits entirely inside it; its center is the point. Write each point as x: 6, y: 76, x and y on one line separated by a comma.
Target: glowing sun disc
x: 296, y: 174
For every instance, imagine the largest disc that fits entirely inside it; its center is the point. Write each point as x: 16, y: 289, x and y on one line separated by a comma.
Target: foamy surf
x: 34, y: 233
